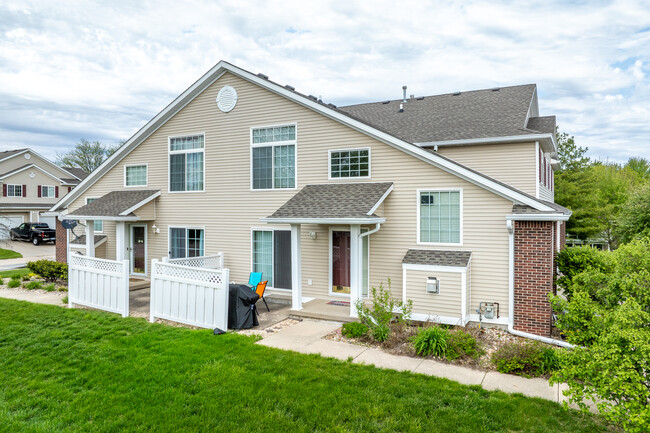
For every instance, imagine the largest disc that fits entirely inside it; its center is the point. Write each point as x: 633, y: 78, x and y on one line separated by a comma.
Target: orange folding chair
x: 261, y: 287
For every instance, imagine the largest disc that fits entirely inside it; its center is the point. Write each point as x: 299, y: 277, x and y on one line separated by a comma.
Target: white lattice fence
x: 98, y: 283
x: 211, y: 262
x: 191, y: 295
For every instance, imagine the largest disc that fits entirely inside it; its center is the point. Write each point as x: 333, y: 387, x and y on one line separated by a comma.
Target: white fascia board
x: 101, y: 218
x: 53, y: 164
x: 434, y: 268
x: 381, y: 200
x: 22, y: 206
x: 538, y: 217
x: 489, y: 140
x: 14, y: 155
x: 220, y: 68
x: 323, y: 220
x: 11, y: 173
x: 139, y: 205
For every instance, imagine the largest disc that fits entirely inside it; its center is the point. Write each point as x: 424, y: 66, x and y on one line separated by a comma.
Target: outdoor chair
x: 260, y: 291
x: 254, y: 279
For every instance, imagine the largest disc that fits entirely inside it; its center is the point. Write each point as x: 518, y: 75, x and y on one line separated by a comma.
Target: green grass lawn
x: 15, y: 272
x: 80, y: 370
x: 9, y: 254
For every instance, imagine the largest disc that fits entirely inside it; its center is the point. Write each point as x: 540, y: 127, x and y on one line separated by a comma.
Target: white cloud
x: 100, y: 70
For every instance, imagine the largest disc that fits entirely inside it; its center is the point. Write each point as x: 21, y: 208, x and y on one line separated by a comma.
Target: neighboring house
x: 450, y: 196
x: 31, y: 184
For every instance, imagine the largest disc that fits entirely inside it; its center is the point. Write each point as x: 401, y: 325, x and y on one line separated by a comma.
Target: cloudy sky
x: 101, y: 70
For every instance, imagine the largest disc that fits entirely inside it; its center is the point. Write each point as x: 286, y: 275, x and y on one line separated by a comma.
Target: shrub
x: 525, y: 359
x: 433, y: 340
x: 13, y: 283
x: 461, y: 344
x: 49, y: 287
x: 26, y: 278
x: 64, y: 299
x: 575, y: 260
x: 32, y: 285
x: 49, y: 270
x: 383, y: 312
x: 354, y: 329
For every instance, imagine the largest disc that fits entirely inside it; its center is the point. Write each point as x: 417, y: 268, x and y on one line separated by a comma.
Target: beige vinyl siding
x: 39, y: 178
x: 229, y: 209
x: 447, y: 303
x: 20, y: 161
x: 512, y: 163
x: 546, y: 194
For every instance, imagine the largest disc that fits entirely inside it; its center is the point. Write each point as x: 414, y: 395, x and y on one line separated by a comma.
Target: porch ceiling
x: 352, y: 203
x: 116, y: 205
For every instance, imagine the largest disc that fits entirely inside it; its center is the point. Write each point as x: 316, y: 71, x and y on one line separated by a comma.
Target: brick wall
x: 534, y: 269
x: 61, y: 243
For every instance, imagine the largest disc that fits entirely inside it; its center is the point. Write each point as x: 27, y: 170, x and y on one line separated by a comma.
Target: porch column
x: 296, y: 271
x: 355, y: 254
x: 90, y: 238
x: 120, y: 239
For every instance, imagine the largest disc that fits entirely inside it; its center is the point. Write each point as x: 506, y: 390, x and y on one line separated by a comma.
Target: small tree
x: 86, y: 155
x: 634, y: 220
x: 385, y: 309
x: 572, y: 157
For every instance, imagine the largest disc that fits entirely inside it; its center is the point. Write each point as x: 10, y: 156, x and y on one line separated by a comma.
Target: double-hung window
x: 135, y: 175
x: 97, y: 224
x: 48, y: 191
x: 186, y: 163
x: 349, y: 163
x: 274, y: 157
x: 14, y: 190
x: 439, y: 214
x: 186, y: 242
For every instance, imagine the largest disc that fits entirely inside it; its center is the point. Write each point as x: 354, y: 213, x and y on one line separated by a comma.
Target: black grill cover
x: 241, y: 307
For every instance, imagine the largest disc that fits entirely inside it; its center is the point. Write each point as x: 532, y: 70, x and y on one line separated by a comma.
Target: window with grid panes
x: 440, y: 217
x: 274, y: 157
x: 186, y: 163
x: 136, y: 175
x: 350, y: 163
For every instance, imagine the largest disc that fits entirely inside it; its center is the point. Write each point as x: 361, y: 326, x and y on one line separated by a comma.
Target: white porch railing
x: 211, y: 262
x: 98, y: 283
x: 189, y: 294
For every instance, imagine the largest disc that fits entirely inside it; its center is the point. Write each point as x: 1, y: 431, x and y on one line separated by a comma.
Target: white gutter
x: 324, y: 220
x: 538, y: 217
x: 492, y: 140
x: 375, y: 230
x: 511, y: 295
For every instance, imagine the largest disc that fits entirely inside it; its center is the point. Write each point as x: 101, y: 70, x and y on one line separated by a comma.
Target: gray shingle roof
x: 81, y: 174
x: 335, y: 200
x: 81, y: 240
x: 437, y: 257
x: 8, y: 153
x: 114, y: 203
x: 520, y: 209
x: 544, y: 124
x: 474, y: 114
x: 70, y: 180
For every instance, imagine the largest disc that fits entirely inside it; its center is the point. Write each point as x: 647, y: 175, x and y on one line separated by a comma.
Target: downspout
x: 361, y: 236
x: 511, y: 295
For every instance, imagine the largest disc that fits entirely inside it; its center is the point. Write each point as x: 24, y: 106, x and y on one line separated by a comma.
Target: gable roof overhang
x: 222, y: 67
x: 23, y: 151
x: 27, y: 166
x: 115, y: 206
x: 547, y: 141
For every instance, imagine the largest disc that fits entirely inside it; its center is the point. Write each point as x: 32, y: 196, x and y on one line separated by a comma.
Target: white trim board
x: 19, y: 170
x: 47, y: 161
x: 222, y: 67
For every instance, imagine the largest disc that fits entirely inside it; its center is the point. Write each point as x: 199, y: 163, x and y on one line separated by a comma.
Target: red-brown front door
x: 341, y: 262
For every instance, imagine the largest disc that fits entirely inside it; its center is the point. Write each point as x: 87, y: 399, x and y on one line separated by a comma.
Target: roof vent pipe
x: 401, y: 107
x: 404, y: 90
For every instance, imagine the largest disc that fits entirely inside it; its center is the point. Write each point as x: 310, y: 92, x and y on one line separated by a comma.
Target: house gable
x: 222, y: 67
x: 20, y: 159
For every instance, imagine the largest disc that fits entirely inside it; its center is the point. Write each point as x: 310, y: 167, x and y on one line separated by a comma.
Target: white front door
x: 138, y: 249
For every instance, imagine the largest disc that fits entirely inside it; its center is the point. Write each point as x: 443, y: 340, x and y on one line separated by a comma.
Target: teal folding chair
x: 254, y: 279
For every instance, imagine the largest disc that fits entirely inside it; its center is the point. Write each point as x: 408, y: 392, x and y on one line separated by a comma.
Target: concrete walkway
x: 307, y: 337
x: 50, y: 298
x: 29, y: 251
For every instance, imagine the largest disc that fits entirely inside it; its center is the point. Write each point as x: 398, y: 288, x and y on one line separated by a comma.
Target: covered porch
x: 352, y: 207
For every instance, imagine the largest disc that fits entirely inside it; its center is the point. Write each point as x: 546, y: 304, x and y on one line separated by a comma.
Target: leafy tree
x: 639, y: 166
x: 634, y: 220
x: 608, y: 319
x: 572, y: 157
x: 86, y: 155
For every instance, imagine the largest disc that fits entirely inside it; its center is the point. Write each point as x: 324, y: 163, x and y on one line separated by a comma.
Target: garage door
x: 8, y: 222
x: 50, y: 220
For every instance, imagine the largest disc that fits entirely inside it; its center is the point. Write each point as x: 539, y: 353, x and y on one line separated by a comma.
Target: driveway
x: 29, y: 251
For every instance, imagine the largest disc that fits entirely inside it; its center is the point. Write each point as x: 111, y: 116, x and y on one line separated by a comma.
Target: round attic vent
x: 227, y: 99
x: 32, y: 174
x: 27, y: 156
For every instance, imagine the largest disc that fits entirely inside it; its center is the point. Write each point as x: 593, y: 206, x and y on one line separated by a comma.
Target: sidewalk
x: 306, y: 337
x: 51, y: 298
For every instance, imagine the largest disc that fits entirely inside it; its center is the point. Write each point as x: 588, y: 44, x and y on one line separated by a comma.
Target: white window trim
x: 331, y: 261
x: 445, y: 244
x: 272, y: 230
x: 177, y: 152
x: 96, y: 231
x: 169, y: 238
x: 146, y: 177
x: 15, y: 185
x: 48, y: 192
x: 274, y: 144
x: 329, y: 164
